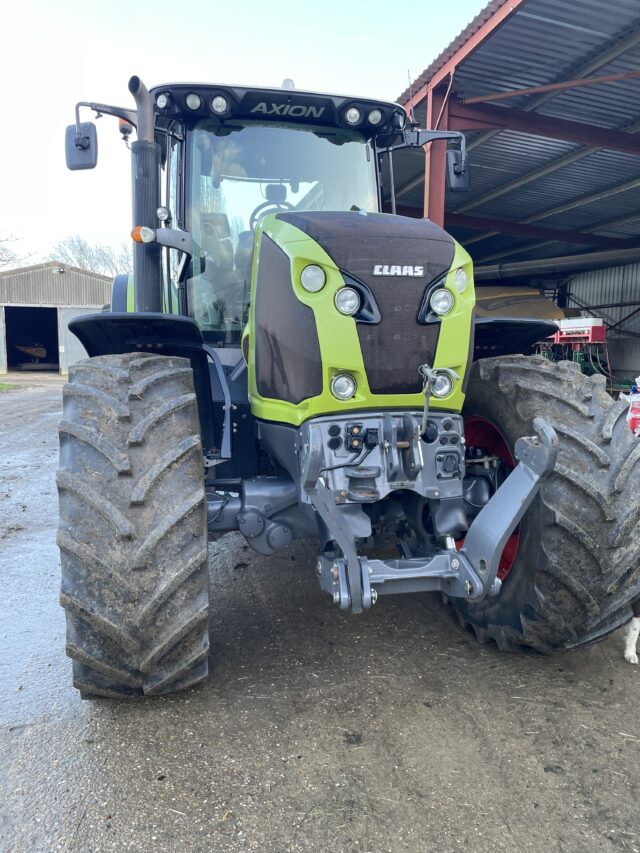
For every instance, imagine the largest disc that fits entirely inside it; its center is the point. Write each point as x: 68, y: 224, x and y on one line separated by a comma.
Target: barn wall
x: 70, y: 348
x: 607, y: 286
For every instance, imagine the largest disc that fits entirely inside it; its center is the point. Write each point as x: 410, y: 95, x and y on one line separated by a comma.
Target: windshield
x: 240, y: 173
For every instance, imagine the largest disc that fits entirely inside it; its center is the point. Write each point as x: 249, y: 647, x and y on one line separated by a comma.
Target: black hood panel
x: 360, y: 243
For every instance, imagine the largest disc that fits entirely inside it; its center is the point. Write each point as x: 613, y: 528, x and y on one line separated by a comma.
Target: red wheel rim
x: 479, y: 432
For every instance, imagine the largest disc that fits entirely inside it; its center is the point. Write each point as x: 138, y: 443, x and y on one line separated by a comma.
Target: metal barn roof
x: 555, y: 172
x: 54, y: 284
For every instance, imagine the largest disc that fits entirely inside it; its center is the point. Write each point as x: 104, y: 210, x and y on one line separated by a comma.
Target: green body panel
x: 131, y: 304
x: 338, y: 338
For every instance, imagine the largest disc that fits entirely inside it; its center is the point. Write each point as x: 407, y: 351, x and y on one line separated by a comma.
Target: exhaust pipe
x: 145, y: 187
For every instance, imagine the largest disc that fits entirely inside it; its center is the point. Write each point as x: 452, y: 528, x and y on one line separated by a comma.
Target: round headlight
x: 194, y: 102
x: 219, y: 104
x: 442, y: 386
x: 313, y: 278
x: 352, y: 115
x: 441, y: 301
x: 343, y: 386
x: 163, y: 100
x: 375, y: 117
x: 462, y: 279
x: 347, y: 300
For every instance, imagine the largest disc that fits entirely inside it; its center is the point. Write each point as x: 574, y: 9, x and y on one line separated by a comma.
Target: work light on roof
x: 219, y: 104
x: 353, y: 115
x: 374, y: 117
x: 194, y: 102
x: 163, y: 100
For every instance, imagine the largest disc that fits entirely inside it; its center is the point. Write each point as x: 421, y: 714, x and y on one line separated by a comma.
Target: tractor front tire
x: 577, y: 566
x: 133, y: 532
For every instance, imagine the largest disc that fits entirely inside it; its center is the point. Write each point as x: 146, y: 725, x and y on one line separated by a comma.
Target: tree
x: 7, y: 255
x: 106, y: 260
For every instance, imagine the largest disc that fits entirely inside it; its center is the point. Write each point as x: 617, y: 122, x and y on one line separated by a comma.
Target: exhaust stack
x: 145, y: 190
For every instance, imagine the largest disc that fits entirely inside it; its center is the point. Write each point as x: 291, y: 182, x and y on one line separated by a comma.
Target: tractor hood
x: 300, y: 341
x: 397, y: 259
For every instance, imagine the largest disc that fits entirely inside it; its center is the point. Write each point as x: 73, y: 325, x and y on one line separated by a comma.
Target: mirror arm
x: 426, y: 136
x: 415, y: 138
x: 129, y: 116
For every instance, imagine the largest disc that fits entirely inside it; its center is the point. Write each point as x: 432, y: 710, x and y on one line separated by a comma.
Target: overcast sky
x: 57, y: 52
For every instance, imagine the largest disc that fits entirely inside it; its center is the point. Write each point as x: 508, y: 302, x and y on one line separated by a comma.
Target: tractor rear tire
x: 133, y: 532
x: 577, y: 567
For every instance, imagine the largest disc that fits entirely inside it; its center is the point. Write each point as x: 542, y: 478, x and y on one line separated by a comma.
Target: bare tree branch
x: 106, y: 260
x: 7, y: 255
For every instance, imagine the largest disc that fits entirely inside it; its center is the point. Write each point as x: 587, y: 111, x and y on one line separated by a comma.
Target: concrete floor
x: 317, y: 731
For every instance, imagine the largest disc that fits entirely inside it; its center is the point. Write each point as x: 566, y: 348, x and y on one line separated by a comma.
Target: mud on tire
x: 577, y: 566
x: 132, y: 534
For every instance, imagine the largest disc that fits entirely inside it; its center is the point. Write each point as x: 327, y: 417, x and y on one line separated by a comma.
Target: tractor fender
x: 110, y: 333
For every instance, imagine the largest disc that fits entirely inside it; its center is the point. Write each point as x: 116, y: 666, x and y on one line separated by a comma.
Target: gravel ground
x: 316, y: 731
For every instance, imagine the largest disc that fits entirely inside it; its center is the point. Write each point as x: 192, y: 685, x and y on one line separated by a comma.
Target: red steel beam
x: 552, y: 87
x: 521, y: 229
x: 435, y: 185
x: 504, y: 11
x: 465, y: 117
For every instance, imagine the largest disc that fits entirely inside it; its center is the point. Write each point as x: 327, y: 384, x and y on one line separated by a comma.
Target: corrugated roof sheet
x: 542, y: 42
x: 470, y: 30
x: 53, y: 283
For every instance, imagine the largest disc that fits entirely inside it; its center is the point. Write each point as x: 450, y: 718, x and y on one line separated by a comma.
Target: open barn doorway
x: 32, y: 338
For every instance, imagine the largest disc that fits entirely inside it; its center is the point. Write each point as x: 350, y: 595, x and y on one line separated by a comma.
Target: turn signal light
x: 142, y: 234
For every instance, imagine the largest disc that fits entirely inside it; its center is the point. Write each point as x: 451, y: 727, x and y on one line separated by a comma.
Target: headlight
x: 347, y: 300
x: 313, y: 278
x: 462, y: 279
x: 219, y: 104
x: 441, y: 301
x: 343, y: 386
x: 442, y: 386
x: 194, y: 102
x: 375, y: 117
x: 352, y: 115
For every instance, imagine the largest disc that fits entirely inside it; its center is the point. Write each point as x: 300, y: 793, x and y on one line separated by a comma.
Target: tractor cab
x: 229, y: 156
x: 243, y: 153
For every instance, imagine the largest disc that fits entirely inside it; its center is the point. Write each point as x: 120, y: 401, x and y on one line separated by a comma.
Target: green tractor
x: 289, y: 361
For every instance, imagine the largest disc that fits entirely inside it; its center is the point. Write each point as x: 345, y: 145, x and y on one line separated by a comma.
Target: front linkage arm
x: 470, y: 573
x: 494, y: 524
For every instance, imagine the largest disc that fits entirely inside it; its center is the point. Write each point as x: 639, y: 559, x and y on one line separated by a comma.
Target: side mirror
x: 457, y: 170
x: 81, y: 149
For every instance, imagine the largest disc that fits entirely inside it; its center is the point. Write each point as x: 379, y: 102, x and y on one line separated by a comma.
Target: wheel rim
x: 480, y: 432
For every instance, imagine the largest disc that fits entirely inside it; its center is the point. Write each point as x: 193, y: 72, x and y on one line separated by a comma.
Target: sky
x: 58, y: 52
